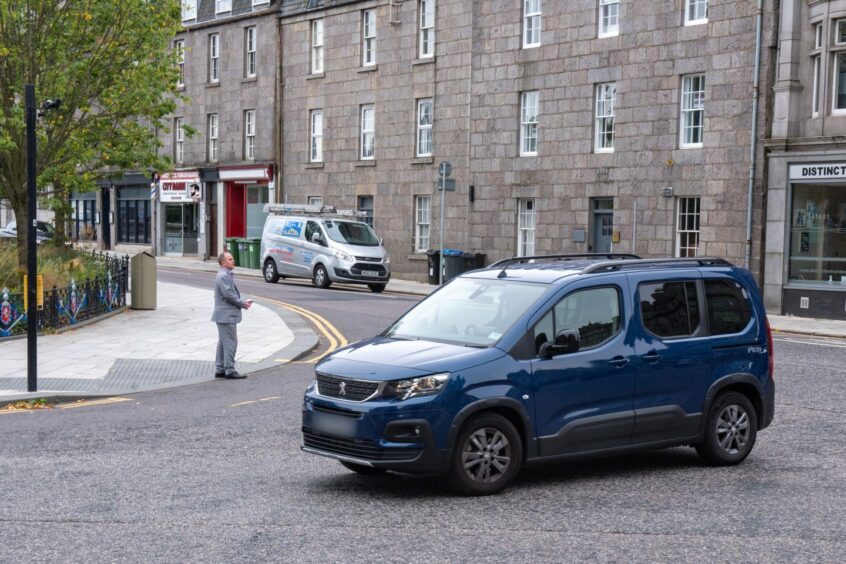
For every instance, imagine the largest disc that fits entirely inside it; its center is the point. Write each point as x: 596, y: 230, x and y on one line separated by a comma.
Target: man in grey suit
x: 227, y: 314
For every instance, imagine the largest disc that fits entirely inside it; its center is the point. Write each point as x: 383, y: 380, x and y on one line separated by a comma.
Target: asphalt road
x: 214, y: 473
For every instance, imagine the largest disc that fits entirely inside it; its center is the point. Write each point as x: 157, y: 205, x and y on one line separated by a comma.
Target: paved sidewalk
x: 137, y: 350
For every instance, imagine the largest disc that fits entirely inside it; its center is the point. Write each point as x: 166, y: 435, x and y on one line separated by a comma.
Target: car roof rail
x: 313, y: 210
x: 608, y: 266
x: 571, y: 256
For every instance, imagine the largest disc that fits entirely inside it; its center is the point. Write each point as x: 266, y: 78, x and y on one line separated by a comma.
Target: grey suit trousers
x: 227, y: 344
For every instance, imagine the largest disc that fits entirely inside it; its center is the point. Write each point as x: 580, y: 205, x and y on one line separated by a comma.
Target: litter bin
x: 243, y: 257
x: 472, y: 261
x: 434, y: 259
x: 142, y: 279
x: 453, y: 263
x: 254, y: 245
x: 232, y: 247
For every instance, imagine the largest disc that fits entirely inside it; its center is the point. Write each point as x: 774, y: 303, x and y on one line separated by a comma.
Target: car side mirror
x: 566, y: 342
x: 317, y: 238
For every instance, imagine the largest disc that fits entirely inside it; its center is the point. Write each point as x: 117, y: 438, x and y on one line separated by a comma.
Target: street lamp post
x: 31, y: 258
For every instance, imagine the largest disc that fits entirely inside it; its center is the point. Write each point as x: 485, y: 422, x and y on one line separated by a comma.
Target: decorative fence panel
x: 81, y: 300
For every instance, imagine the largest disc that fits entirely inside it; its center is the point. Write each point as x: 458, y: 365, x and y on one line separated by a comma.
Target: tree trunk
x: 60, y: 211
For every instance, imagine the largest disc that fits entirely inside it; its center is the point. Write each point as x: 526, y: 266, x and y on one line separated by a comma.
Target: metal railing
x: 63, y: 307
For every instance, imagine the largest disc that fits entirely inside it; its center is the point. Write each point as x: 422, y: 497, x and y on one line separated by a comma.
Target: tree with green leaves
x: 110, y: 63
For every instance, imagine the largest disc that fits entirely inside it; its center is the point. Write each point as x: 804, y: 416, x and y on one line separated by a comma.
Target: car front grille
x: 345, y: 388
x: 368, y: 259
x: 356, y: 448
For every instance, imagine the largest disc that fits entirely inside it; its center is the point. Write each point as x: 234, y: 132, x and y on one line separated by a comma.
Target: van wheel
x: 377, y: 288
x: 362, y: 469
x: 271, y: 276
x: 730, y: 430
x: 487, y: 455
x: 321, y: 277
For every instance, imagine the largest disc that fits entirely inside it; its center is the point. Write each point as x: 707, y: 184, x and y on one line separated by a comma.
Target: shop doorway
x: 181, y: 229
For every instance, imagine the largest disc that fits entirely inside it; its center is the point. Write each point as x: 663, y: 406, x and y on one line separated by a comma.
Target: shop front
x: 806, y: 241
x: 179, y: 210
x: 246, y: 191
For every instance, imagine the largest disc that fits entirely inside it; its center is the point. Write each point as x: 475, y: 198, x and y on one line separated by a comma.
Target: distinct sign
x: 449, y: 183
x: 292, y: 228
x: 445, y: 168
x: 39, y: 292
x: 182, y: 186
x: 262, y: 173
x: 819, y: 171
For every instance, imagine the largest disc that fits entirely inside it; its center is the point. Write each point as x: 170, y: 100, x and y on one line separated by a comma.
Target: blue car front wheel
x: 487, y: 456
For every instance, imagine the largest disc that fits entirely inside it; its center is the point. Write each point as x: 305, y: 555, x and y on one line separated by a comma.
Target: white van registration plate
x: 369, y: 273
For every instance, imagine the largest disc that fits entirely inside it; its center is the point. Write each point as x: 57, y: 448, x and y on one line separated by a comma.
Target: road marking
x: 88, y: 403
x: 243, y: 403
x: 811, y: 341
x: 6, y: 411
x: 270, y: 398
x: 332, y: 334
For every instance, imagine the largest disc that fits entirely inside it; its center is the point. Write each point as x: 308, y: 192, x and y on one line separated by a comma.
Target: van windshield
x: 468, y: 311
x: 351, y: 233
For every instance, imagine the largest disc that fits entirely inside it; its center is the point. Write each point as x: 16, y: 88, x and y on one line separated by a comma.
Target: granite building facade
x: 588, y: 126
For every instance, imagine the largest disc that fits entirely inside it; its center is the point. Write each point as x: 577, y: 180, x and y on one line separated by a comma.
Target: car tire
x: 487, y: 456
x: 730, y: 430
x: 271, y: 275
x: 362, y: 469
x: 321, y: 277
x: 377, y: 288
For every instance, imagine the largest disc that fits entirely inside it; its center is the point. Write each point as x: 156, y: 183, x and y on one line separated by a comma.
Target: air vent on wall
x: 804, y: 303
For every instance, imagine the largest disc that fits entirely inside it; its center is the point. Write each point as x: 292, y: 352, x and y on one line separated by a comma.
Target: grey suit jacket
x: 227, y: 299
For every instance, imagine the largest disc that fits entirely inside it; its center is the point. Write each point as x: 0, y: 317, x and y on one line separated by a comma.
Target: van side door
x: 583, y: 399
x: 674, y: 355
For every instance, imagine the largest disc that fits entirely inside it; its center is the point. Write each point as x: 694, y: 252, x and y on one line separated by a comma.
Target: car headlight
x: 387, y: 259
x: 343, y: 256
x: 413, y: 387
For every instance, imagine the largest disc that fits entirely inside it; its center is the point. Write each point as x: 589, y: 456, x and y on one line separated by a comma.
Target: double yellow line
x: 333, y: 336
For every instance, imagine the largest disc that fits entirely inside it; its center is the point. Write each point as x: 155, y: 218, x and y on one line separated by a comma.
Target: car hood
x: 383, y: 358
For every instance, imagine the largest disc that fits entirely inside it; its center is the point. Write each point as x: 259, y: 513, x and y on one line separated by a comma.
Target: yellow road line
x: 5, y: 411
x: 270, y: 398
x: 243, y: 403
x: 104, y: 401
x: 332, y: 334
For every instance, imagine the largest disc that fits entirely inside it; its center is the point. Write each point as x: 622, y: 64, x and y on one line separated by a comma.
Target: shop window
x: 818, y: 235
x: 83, y: 215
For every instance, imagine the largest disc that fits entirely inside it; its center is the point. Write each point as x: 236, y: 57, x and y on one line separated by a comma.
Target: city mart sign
x: 821, y: 171
x: 180, y: 186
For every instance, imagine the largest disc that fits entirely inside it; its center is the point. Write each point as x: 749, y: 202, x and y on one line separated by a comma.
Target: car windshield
x: 468, y: 311
x: 351, y: 233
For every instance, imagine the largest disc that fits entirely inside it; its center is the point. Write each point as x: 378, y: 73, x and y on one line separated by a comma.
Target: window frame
x: 179, y: 49
x: 214, y: 58
x: 189, y: 10
x: 212, y: 133
x: 683, y: 213
x: 366, y: 133
x: 315, y: 151
x: 250, y: 51
x: 553, y: 312
x: 837, y: 35
x: 529, y: 128
x: 526, y: 229
x: 426, y: 29
x: 601, y: 120
x: 314, y: 200
x: 368, y: 37
x: 424, y: 128
x: 422, y: 223
x: 222, y: 6
x: 318, y: 41
x: 604, y: 29
x: 178, y: 140
x: 250, y: 135
x: 692, y: 6
x: 838, y: 56
x: 532, y: 24
x: 688, y: 114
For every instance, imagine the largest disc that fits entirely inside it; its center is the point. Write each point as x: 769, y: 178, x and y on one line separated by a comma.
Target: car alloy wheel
x: 730, y: 430
x: 488, y: 455
x: 321, y: 277
x: 270, y: 274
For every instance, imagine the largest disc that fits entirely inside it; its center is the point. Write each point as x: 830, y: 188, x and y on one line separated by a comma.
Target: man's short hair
x: 222, y: 257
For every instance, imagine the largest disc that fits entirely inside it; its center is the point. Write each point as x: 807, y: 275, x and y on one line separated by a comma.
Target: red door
x: 236, y: 210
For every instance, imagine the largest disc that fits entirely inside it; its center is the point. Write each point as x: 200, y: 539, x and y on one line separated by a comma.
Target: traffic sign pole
x: 444, y: 169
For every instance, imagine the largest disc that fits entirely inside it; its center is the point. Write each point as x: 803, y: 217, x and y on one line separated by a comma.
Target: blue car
x: 550, y: 358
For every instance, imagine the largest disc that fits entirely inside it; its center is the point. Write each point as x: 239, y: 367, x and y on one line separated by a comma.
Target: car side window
x: 669, y: 309
x: 594, y: 313
x: 728, y: 306
x: 311, y: 229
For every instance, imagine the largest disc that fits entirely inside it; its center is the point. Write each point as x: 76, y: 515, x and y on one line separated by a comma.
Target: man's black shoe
x: 235, y: 376
x: 220, y: 374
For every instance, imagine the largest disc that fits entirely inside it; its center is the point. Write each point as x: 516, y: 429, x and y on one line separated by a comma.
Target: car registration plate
x: 333, y: 424
x: 369, y: 273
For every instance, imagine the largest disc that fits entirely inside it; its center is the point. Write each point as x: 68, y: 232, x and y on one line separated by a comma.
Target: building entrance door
x: 602, y: 227
x: 181, y: 229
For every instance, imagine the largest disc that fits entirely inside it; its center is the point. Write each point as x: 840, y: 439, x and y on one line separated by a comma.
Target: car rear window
x: 669, y: 309
x: 729, y: 309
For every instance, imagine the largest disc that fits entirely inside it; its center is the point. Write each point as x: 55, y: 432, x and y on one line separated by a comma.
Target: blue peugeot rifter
x: 549, y: 358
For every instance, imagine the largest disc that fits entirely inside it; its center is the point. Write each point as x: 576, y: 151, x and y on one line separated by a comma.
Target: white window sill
x: 249, y: 79
x: 423, y: 61
x: 368, y: 68
x: 696, y: 22
x: 528, y: 155
x: 532, y: 46
x: 609, y: 34
x: 603, y: 151
x: 691, y: 146
x: 314, y: 75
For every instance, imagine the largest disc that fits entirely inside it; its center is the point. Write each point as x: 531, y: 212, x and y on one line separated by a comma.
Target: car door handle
x: 651, y: 357
x: 618, y: 361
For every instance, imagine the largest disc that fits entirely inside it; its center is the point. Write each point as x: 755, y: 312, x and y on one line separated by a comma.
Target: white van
x: 323, y: 244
